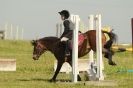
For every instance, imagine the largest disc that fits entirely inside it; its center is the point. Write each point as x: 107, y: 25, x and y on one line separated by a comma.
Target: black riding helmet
x: 65, y: 13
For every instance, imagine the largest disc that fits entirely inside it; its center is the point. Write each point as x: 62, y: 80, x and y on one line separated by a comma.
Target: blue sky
x: 39, y: 17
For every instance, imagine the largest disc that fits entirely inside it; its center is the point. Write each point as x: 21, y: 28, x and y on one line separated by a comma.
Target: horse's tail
x: 112, y: 39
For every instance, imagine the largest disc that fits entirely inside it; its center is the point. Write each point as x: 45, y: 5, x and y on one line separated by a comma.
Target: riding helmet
x: 65, y: 13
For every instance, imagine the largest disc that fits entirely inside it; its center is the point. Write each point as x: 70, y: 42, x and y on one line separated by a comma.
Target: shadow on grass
x: 34, y: 79
x: 45, y: 80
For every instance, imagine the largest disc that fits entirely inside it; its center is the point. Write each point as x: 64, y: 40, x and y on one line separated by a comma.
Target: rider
x: 68, y: 27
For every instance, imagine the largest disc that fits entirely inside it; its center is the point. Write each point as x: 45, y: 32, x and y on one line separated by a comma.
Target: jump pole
x: 91, y: 71
x: 58, y: 30
x: 11, y: 34
x: 17, y: 29
x: 6, y: 28
x: 75, y: 19
x: 99, y: 74
x: 7, y: 64
x: 132, y: 33
x: 91, y: 27
x: 22, y: 34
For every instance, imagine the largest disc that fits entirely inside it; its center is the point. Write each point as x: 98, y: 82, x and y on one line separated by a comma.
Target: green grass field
x: 35, y: 74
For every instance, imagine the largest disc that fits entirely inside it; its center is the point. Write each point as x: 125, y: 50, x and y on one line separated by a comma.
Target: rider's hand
x: 64, y: 39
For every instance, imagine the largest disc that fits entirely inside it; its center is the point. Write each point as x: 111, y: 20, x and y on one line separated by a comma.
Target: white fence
x: 132, y: 32
x: 75, y: 19
x: 12, y: 32
x: 94, y: 21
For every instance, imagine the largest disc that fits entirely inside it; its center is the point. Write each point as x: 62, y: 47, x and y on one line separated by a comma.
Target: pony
x: 55, y: 46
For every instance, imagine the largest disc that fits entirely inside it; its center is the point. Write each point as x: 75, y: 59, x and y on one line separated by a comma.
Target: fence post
x: 91, y: 27
x: 99, y: 48
x: 132, y: 33
x: 75, y: 19
x: 6, y: 27
x: 57, y: 29
x: 11, y: 29
x: 17, y: 28
x: 60, y: 33
x: 22, y: 34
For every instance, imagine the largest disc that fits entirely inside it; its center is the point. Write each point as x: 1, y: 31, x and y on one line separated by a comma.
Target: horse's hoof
x: 112, y: 63
x: 106, y: 56
x: 52, y: 80
x: 79, y: 79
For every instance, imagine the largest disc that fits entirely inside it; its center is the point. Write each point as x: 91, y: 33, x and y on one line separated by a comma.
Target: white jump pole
x: 6, y: 28
x: 60, y: 33
x: 99, y: 48
x: 17, y: 28
x: 75, y: 19
x: 91, y: 27
x: 7, y: 64
x: 11, y: 33
x: 57, y: 30
x: 22, y: 34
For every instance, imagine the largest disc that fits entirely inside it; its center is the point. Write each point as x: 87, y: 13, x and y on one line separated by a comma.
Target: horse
x: 54, y: 45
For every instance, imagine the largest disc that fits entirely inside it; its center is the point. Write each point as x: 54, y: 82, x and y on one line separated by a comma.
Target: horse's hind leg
x: 59, y: 65
x: 108, y: 55
x: 79, y: 78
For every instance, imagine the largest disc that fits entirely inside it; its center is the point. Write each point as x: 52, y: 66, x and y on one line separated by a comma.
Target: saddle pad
x: 81, y: 39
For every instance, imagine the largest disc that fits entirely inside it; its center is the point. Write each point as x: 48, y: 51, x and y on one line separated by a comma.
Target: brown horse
x: 54, y: 45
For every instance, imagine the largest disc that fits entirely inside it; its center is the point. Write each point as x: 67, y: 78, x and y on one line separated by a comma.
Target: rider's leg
x: 67, y: 52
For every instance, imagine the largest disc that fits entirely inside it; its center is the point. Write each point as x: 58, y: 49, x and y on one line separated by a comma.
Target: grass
x: 35, y: 74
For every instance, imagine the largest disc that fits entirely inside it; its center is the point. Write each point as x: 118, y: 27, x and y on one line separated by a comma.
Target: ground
x: 35, y: 74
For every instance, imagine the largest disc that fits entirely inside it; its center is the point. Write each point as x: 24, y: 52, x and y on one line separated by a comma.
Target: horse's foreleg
x: 79, y: 78
x: 108, y: 55
x: 59, y: 65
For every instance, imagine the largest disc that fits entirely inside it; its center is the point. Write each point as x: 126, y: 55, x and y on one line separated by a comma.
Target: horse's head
x: 39, y: 49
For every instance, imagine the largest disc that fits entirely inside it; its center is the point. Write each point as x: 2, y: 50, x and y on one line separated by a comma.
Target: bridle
x: 39, y: 49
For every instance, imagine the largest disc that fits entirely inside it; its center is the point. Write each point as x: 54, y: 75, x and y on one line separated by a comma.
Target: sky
x: 38, y: 18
